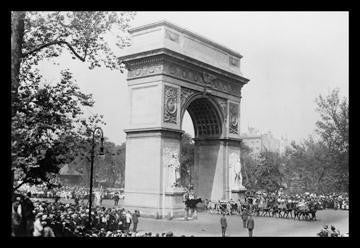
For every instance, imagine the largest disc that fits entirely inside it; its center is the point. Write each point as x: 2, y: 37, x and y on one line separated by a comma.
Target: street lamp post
x: 92, y: 155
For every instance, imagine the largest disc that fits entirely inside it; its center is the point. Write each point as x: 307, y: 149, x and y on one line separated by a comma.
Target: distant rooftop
x: 66, y: 170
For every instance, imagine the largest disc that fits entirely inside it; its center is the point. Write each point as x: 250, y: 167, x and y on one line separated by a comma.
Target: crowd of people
x: 257, y: 200
x: 32, y: 216
x: 39, y: 218
x: 332, y: 232
x: 77, y: 193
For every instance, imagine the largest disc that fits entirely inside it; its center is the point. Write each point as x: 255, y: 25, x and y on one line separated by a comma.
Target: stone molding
x: 153, y: 132
x: 223, y: 141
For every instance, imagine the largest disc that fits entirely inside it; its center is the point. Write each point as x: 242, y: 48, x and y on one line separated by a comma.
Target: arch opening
x: 205, y: 118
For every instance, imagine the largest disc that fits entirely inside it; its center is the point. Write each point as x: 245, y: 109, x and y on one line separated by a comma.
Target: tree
x: 39, y: 35
x: 186, y: 158
x: 110, y: 170
x: 17, y: 33
x: 267, y: 173
x: 249, y: 164
x: 333, y: 128
x: 309, y: 163
x: 47, y: 124
x: 48, y: 127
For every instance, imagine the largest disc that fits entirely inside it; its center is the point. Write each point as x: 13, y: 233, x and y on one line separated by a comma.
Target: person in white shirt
x: 38, y: 227
x: 128, y: 220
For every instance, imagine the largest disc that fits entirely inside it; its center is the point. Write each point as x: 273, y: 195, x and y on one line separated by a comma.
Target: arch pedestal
x: 171, y: 70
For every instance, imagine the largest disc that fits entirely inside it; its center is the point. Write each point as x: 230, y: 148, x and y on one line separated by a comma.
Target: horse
x: 313, y: 207
x: 282, y: 208
x: 289, y: 209
x: 224, y: 207
x: 301, y: 210
x: 275, y: 211
x: 264, y: 208
x: 212, y: 207
x: 233, y: 208
x: 191, y: 204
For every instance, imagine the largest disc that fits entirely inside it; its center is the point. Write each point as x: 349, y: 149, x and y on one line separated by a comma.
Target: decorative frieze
x: 201, y: 78
x: 234, y: 118
x: 170, y: 104
x: 141, y: 71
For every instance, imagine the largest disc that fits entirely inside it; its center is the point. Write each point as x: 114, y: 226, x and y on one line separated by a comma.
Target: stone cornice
x: 151, y: 132
x: 186, y: 32
x: 145, y: 57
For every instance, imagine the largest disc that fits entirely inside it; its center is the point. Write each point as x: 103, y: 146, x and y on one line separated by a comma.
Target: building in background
x: 258, y: 142
x: 69, y: 176
x: 284, y: 143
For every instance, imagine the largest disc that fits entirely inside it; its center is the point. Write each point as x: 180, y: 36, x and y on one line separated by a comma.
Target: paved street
x: 209, y: 225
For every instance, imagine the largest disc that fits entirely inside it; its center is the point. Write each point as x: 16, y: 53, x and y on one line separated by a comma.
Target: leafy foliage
x: 333, y: 129
x: 261, y: 172
x: 110, y: 171
x: 248, y: 165
x: 323, y: 165
x: 47, y: 34
x: 308, y: 162
x: 268, y: 172
x: 47, y: 127
x: 186, y: 159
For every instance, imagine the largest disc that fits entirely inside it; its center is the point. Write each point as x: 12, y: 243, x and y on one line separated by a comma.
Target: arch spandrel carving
x: 234, y: 118
x: 170, y: 104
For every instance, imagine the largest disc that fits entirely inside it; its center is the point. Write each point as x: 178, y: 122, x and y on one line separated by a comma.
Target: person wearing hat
x: 223, y: 223
x: 250, y: 224
x: 135, y: 219
x: 324, y: 232
x: 334, y: 232
x: 244, y: 216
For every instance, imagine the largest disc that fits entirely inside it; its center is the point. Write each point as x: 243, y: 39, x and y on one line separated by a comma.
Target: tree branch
x: 22, y: 183
x: 60, y: 42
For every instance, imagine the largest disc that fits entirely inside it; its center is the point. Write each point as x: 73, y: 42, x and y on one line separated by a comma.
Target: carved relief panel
x: 234, y: 118
x: 172, y: 166
x: 170, y: 104
x: 235, y: 177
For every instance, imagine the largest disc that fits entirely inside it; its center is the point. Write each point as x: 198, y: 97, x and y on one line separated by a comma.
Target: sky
x: 289, y: 57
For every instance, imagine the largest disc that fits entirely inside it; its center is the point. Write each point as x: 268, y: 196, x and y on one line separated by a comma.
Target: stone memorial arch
x: 171, y: 70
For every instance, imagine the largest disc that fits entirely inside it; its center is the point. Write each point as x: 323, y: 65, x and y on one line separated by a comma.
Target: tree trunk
x: 17, y: 34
